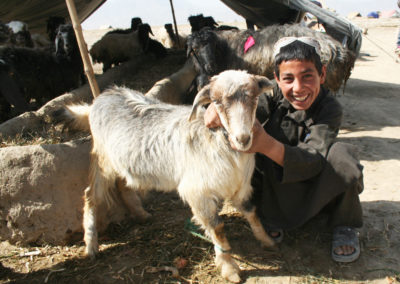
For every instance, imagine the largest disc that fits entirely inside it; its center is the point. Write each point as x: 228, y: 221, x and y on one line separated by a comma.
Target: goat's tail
x: 73, y: 116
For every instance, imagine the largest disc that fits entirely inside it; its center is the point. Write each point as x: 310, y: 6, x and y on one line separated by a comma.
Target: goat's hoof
x: 146, y: 216
x: 91, y: 252
x: 230, y: 273
x: 229, y: 269
x: 268, y: 244
x: 142, y: 217
x: 273, y: 248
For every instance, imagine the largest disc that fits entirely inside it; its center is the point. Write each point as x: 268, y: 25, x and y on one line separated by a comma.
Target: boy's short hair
x: 298, y: 50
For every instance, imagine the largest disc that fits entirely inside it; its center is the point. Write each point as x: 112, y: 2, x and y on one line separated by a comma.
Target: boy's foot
x: 397, y: 52
x: 345, y: 244
x: 276, y: 235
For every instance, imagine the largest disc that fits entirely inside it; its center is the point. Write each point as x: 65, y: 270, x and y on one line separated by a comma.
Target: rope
x: 193, y: 229
x: 198, y: 60
x: 391, y: 56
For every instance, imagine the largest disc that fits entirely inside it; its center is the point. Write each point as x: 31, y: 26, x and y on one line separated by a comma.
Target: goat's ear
x: 264, y: 83
x: 150, y: 31
x: 188, y: 46
x: 202, y: 98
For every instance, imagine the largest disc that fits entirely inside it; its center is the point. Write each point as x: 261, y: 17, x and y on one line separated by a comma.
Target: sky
x: 118, y: 13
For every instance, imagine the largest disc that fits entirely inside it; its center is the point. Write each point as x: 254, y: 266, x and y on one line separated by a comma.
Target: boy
x: 300, y: 169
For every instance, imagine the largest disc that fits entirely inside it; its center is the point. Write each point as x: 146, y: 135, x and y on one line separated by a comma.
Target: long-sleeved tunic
x: 317, y: 171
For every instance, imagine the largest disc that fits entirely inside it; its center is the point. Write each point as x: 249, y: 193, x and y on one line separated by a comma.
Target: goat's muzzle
x: 243, y: 140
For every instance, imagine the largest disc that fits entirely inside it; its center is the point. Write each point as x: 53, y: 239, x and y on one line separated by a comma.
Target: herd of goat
x: 153, y: 141
x: 34, y: 69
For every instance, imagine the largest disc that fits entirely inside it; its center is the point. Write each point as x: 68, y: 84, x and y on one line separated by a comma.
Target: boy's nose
x: 297, y: 85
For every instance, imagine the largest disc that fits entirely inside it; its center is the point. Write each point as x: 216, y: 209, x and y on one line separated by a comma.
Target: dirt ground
x: 145, y: 253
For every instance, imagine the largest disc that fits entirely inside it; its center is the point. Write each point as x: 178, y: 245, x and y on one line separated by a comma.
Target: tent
x: 36, y: 12
x: 261, y: 12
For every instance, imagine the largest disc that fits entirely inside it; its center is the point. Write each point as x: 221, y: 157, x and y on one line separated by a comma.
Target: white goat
x: 21, y: 34
x: 142, y: 144
x: 173, y: 88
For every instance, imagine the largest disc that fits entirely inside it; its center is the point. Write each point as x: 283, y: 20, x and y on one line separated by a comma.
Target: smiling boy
x: 300, y: 169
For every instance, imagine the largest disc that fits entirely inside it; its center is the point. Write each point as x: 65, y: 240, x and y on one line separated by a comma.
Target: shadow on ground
x: 129, y: 249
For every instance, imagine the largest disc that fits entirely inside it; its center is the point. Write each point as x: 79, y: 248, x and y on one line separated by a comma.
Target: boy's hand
x: 211, y: 118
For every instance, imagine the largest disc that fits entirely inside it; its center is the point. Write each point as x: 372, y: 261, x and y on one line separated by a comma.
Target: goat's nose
x: 243, y: 139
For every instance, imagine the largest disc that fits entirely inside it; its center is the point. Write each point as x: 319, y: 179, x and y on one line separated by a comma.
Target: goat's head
x: 235, y: 94
x: 5, y: 33
x: 209, y: 22
x: 202, y: 46
x: 168, y: 28
x: 65, y: 41
x: 135, y: 22
x: 195, y: 22
x: 143, y: 36
x: 20, y: 34
x: 52, y: 24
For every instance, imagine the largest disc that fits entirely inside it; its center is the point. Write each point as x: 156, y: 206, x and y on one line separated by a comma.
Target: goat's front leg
x: 205, y: 213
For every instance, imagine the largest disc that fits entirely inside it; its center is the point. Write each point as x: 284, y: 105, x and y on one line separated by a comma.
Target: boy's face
x: 300, y: 82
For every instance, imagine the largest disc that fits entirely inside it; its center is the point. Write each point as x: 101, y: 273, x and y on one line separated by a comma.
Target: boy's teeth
x: 300, y: 99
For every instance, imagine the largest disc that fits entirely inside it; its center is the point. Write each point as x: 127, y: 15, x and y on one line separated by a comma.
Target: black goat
x: 135, y: 22
x: 216, y: 51
x: 148, y: 44
x: 53, y: 23
x: 199, y: 21
x: 5, y: 34
x: 115, y: 48
x: 27, y: 73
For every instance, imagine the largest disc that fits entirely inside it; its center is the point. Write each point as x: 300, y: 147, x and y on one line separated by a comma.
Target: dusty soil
x: 143, y: 253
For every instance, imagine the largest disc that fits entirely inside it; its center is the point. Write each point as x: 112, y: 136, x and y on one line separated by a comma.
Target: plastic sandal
x: 273, y: 229
x: 345, y: 236
x: 277, y: 239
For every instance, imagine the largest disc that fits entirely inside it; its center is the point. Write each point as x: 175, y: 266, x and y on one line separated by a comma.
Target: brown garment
x: 317, y: 171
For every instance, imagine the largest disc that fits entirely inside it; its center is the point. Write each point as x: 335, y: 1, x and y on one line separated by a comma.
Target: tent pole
x: 176, y: 27
x: 83, y: 48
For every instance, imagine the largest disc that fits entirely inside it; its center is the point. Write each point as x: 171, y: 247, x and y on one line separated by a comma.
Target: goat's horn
x: 202, y: 98
x: 150, y: 31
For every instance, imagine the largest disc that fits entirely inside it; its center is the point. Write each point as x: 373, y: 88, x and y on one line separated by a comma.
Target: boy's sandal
x: 345, y: 236
x: 275, y: 234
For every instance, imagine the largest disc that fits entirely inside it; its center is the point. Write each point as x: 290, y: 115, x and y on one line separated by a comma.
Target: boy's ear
x: 323, y: 74
x: 276, y: 77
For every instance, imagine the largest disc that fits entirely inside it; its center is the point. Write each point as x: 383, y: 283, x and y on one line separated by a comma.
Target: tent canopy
x: 36, y: 12
x: 260, y: 12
